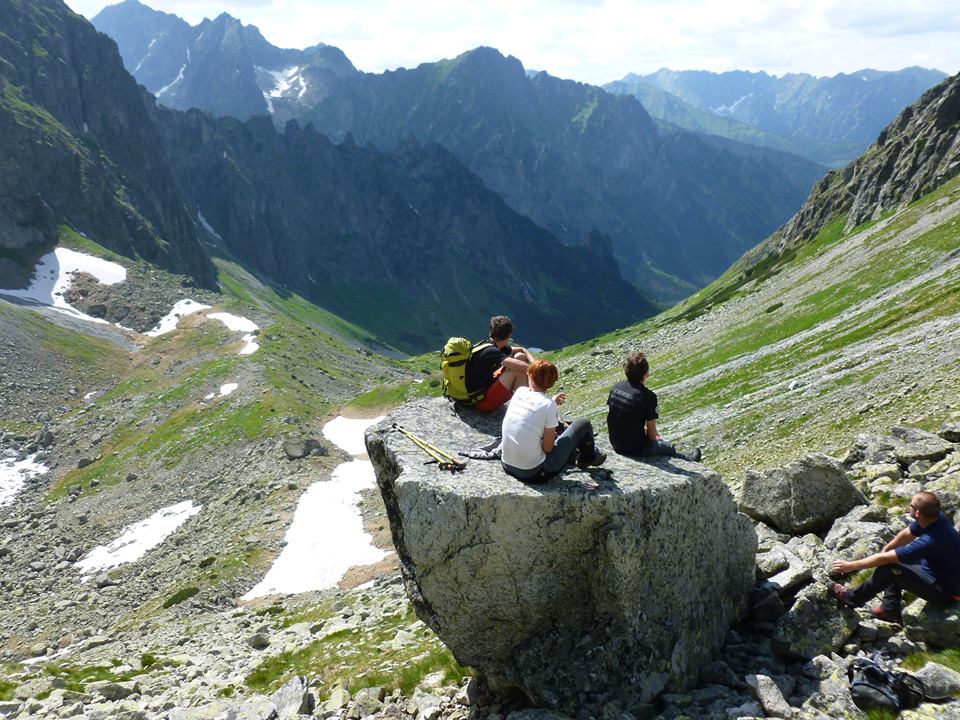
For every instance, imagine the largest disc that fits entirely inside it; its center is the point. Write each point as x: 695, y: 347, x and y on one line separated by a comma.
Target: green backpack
x: 453, y: 364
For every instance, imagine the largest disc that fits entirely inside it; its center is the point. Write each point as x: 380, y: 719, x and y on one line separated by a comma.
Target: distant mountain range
x: 409, y: 244
x: 830, y: 120
x: 679, y: 207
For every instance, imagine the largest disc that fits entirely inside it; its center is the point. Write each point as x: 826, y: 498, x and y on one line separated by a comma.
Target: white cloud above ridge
x: 601, y: 40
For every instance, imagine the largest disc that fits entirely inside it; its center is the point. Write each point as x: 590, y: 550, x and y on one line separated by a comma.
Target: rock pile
x: 568, y: 599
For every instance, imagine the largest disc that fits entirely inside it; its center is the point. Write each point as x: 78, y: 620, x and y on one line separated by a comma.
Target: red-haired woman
x: 532, y: 451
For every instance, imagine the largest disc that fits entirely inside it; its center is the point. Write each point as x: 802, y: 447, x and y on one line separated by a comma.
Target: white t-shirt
x: 528, y: 413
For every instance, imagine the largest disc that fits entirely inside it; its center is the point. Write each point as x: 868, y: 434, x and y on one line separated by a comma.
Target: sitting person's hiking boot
x: 839, y: 592
x: 598, y: 459
x: 692, y: 456
x: 889, y: 616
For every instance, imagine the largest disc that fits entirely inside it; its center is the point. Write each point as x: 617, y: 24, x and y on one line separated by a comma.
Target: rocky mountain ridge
x: 572, y: 157
x: 917, y: 153
x: 91, y: 152
x: 831, y: 120
x: 82, y: 147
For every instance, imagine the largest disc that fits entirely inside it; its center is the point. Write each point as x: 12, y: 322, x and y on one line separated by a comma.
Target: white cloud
x: 600, y: 40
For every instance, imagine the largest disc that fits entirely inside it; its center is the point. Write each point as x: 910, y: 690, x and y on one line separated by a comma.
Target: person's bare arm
x: 529, y: 356
x: 512, y: 363
x: 885, y: 557
x: 549, y: 439
x: 652, y: 432
x: 904, y: 537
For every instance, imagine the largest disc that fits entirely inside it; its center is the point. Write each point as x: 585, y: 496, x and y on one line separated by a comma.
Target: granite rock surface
x: 562, y: 595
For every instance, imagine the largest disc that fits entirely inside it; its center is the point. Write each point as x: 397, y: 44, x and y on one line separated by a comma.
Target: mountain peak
x: 225, y: 18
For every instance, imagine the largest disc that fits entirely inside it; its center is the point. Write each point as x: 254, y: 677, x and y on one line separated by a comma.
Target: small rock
x: 259, y: 641
x: 939, y: 680
x: 950, y: 431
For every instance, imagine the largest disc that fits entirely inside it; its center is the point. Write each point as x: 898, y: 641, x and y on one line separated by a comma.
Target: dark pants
x: 577, y: 436
x: 658, y: 447
x: 891, y: 580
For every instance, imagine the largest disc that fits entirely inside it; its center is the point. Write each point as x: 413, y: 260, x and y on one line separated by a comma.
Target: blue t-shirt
x: 937, y: 550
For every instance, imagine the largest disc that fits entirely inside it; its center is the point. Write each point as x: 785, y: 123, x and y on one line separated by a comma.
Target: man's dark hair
x: 636, y: 367
x: 500, y: 327
x: 927, y: 504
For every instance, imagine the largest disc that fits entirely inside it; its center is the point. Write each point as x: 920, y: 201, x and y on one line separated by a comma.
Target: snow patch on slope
x: 169, y: 322
x: 54, y: 273
x: 281, y: 83
x: 730, y: 109
x: 178, y: 78
x: 326, y: 537
x: 137, y: 539
x: 14, y: 474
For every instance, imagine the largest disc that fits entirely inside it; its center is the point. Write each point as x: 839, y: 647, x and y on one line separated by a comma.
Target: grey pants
x: 658, y: 447
x: 579, y: 436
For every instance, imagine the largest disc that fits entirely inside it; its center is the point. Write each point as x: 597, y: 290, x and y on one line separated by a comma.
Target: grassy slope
x: 803, y: 352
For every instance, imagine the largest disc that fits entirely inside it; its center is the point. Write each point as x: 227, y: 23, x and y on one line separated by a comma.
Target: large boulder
x: 861, y: 532
x: 574, y: 599
x: 904, y: 445
x: 815, y: 625
x: 935, y: 625
x: 805, y: 496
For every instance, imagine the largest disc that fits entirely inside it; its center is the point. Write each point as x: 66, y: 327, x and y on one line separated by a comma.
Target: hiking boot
x: 598, y: 459
x: 889, y: 616
x: 693, y: 456
x: 839, y: 592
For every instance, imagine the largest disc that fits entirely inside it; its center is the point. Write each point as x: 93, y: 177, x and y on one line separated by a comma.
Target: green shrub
x: 180, y: 595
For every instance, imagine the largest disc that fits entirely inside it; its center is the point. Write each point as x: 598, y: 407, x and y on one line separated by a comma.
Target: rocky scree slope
x: 786, y: 658
x: 571, y: 157
x: 463, y: 554
x: 147, y: 427
x: 832, y: 120
x: 311, y: 655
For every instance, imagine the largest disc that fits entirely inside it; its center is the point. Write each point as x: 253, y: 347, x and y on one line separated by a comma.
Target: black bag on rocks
x: 873, y: 685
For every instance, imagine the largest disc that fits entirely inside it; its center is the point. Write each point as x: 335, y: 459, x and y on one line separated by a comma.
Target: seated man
x: 632, y: 415
x: 498, y: 369
x: 923, y: 558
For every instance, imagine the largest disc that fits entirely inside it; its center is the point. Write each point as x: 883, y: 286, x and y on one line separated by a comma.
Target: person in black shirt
x: 499, y: 369
x: 632, y: 414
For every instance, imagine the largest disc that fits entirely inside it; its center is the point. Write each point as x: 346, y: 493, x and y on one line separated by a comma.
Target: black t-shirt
x: 630, y: 406
x: 482, y: 365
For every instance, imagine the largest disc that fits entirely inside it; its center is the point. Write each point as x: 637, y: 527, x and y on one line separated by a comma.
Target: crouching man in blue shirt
x: 923, y: 558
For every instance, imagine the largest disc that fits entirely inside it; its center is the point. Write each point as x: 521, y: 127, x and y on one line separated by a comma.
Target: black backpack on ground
x: 873, y: 685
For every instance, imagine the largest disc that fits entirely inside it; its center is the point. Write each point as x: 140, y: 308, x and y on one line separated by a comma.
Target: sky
x: 597, y: 41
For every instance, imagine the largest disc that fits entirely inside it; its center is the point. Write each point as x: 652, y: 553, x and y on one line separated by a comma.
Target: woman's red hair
x: 543, y: 373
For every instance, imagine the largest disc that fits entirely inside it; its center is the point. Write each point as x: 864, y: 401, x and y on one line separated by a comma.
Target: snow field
x: 135, y: 540
x: 326, y: 537
x: 14, y: 474
x: 168, y: 323
x: 54, y: 273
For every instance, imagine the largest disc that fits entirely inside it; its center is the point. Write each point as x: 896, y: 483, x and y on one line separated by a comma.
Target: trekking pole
x: 444, y: 460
